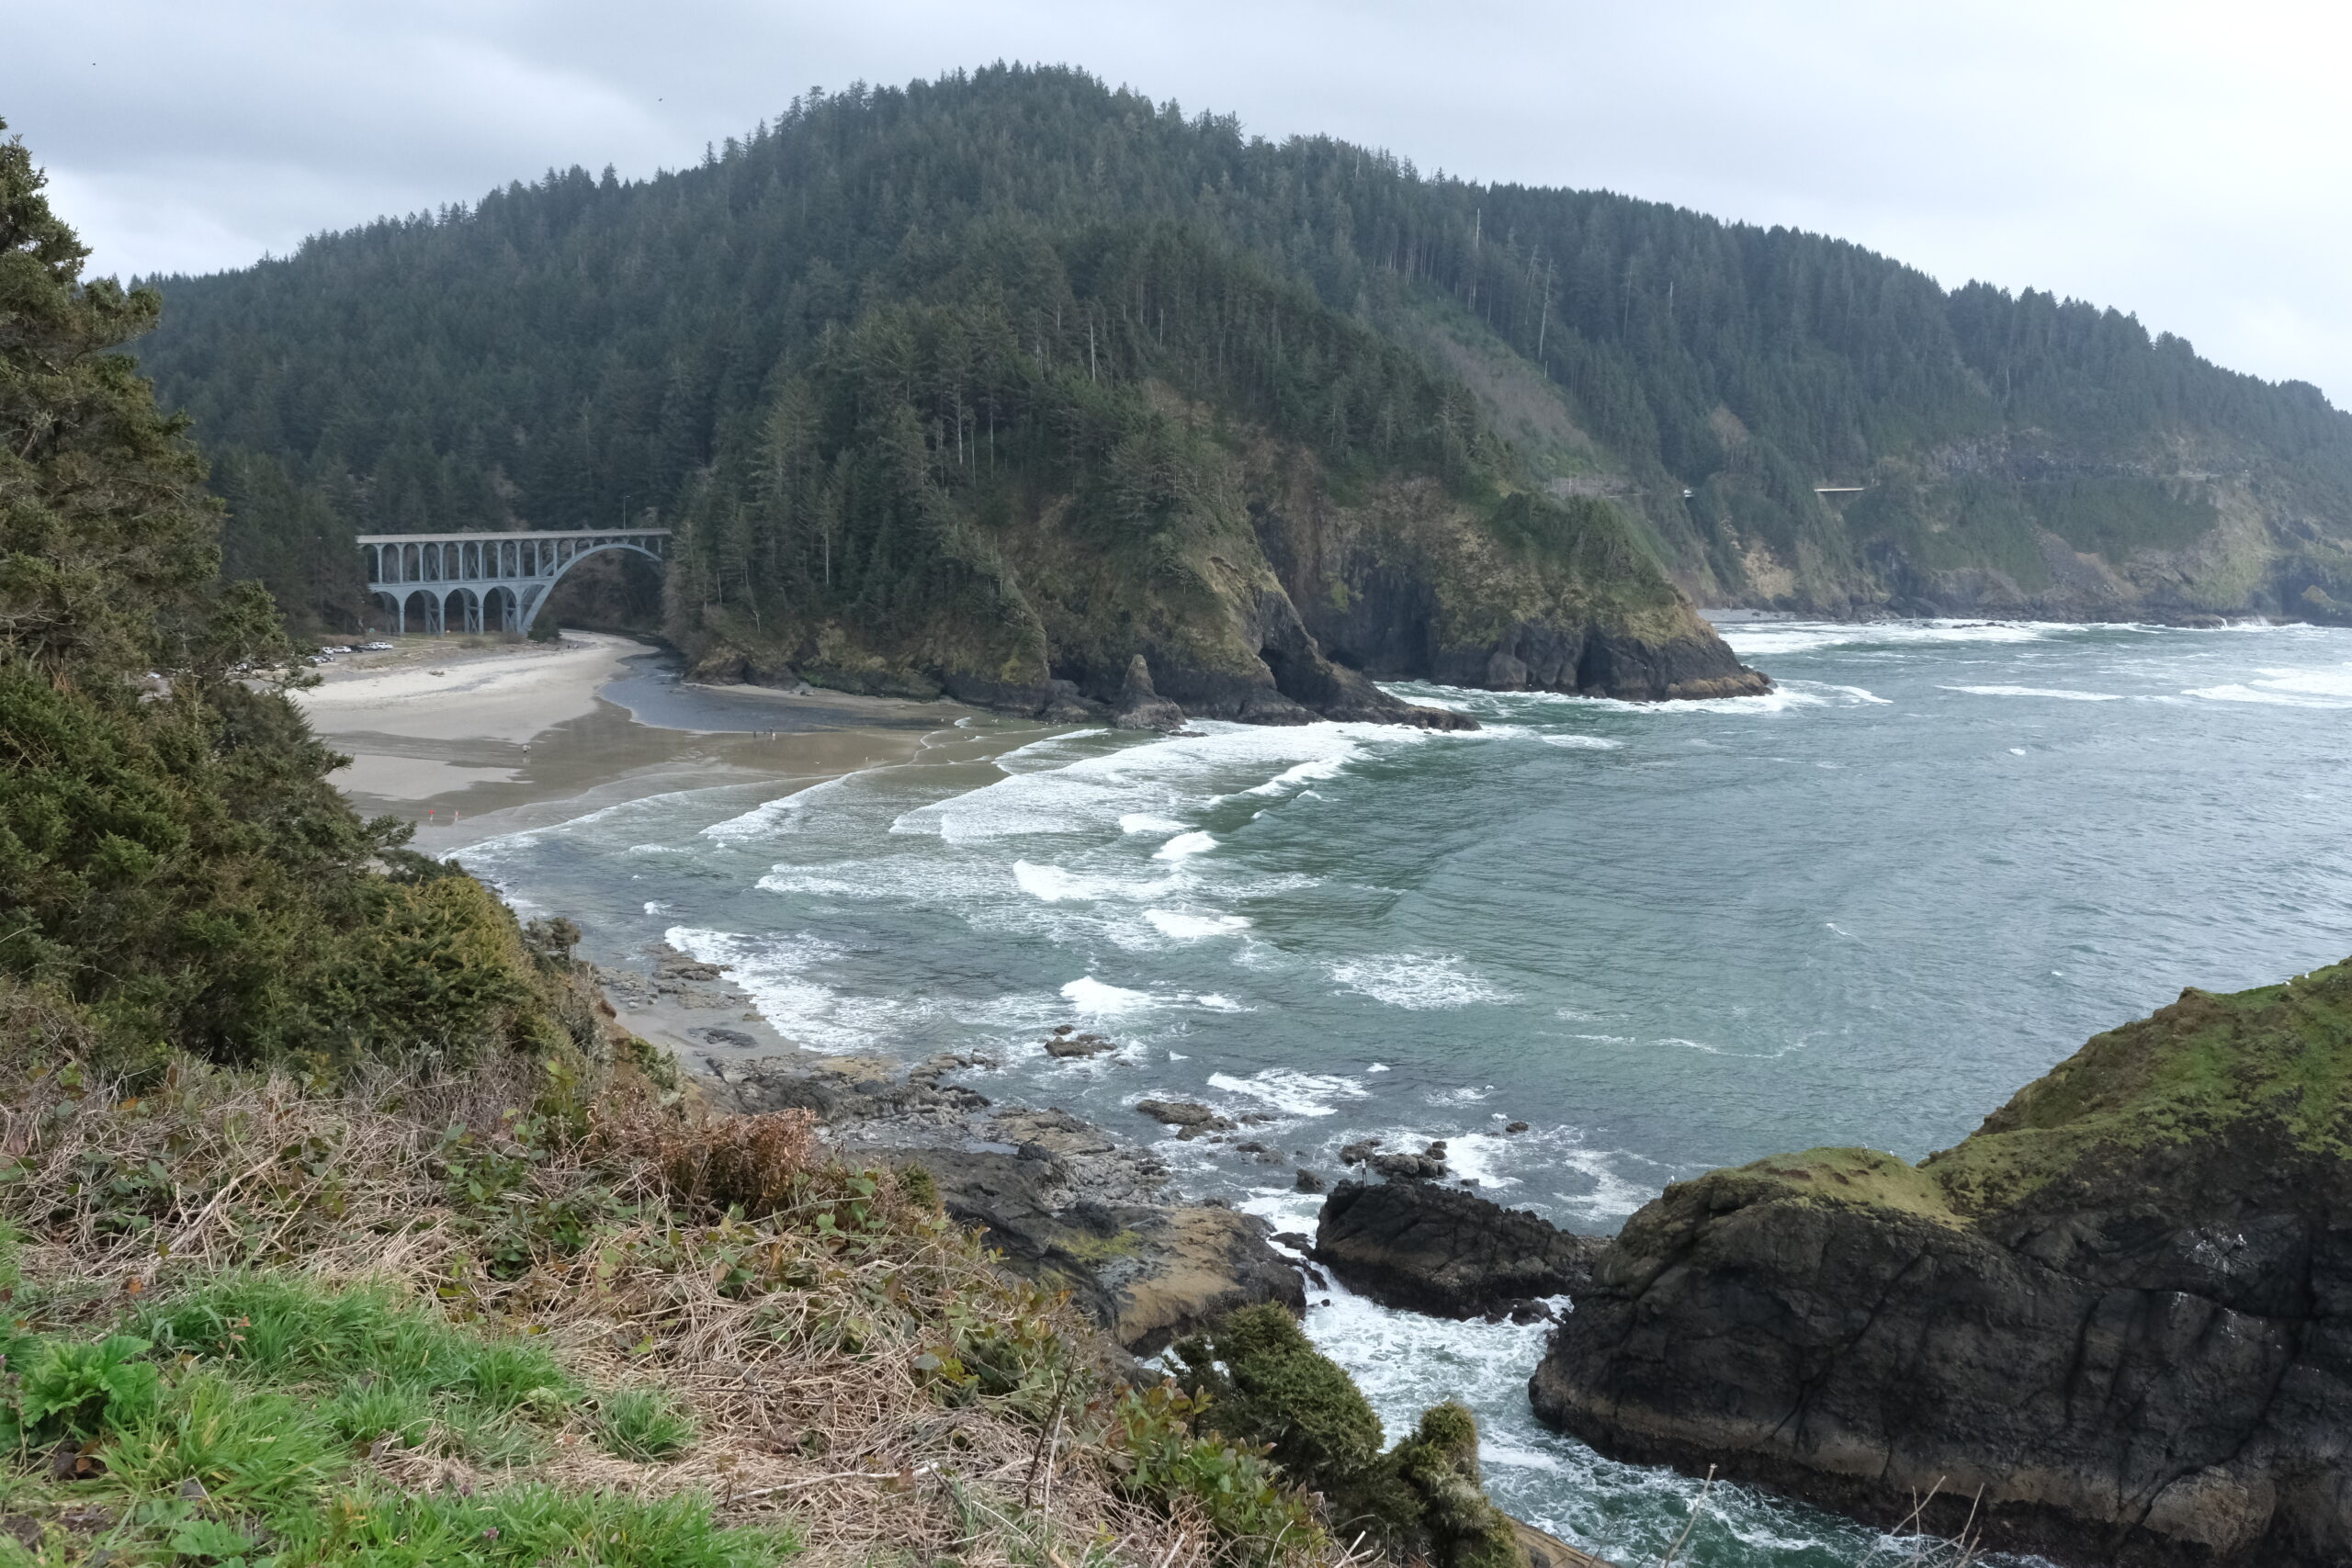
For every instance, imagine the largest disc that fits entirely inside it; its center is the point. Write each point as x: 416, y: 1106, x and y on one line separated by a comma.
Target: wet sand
x: 470, y: 742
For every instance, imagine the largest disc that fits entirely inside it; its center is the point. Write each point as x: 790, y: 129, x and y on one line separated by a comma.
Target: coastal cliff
x: 2114, y: 1325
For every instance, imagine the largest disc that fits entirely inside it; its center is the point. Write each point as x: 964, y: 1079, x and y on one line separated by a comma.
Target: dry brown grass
x: 815, y: 1331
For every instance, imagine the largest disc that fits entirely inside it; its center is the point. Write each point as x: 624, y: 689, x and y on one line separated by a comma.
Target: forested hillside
x: 930, y: 374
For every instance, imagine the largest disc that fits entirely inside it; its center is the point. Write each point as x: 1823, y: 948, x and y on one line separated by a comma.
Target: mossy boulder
x: 2115, y: 1323
x: 1423, y: 1500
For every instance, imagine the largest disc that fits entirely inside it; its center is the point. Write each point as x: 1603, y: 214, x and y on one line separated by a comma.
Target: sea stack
x: 1140, y: 707
x: 2115, y: 1323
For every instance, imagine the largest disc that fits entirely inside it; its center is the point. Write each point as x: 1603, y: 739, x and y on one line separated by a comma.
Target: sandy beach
x: 470, y: 742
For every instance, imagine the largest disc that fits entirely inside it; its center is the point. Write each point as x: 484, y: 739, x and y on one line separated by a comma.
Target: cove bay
x: 1669, y: 936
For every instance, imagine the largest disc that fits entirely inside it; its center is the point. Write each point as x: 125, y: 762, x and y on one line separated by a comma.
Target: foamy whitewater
x: 1861, y: 909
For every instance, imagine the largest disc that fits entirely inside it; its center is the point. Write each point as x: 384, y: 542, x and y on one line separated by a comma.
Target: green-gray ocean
x: 1861, y: 910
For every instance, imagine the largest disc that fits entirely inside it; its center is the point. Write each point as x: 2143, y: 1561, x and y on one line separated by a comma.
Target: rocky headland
x: 2113, y: 1325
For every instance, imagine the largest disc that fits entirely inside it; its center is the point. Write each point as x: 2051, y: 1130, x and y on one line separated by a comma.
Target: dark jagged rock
x: 1067, y: 1205
x: 2123, y: 1308
x: 1438, y: 1250
x: 1407, y: 1166
x: 1141, y: 708
x: 1150, y: 1271
x: 1188, y: 1117
x: 1308, y: 1181
x: 1069, y: 1042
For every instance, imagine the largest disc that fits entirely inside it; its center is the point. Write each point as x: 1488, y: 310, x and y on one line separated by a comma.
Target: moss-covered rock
x: 1266, y: 1384
x: 2122, y: 1307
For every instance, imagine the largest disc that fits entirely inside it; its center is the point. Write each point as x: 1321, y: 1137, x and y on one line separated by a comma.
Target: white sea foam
x: 1088, y: 994
x: 1786, y: 696
x: 773, y: 971
x: 770, y: 817
x: 1583, y: 742
x: 1050, y: 882
x: 1215, y: 1002
x: 1187, y: 928
x: 492, y: 852
x: 1418, y: 981
x: 1320, y: 768
x: 2287, y: 688
x: 1293, y: 1093
x: 1053, y: 884
x: 2017, y: 750
x: 783, y: 880
x: 1144, y: 822
x: 1157, y: 779
x: 2056, y: 693
x: 1185, y: 845
x: 1766, y: 640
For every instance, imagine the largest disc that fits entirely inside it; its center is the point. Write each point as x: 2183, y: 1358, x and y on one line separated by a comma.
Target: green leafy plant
x: 73, y: 1389
x: 208, y: 1540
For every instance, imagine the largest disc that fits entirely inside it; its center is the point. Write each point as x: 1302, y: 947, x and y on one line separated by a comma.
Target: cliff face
x: 2122, y: 1309
x: 2045, y: 531
x: 1273, y: 593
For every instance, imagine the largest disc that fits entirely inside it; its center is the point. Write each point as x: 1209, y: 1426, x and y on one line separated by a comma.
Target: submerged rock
x: 1440, y: 1250
x: 2123, y: 1308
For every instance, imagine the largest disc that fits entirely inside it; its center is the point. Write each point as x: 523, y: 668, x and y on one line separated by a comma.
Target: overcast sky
x: 2186, y: 163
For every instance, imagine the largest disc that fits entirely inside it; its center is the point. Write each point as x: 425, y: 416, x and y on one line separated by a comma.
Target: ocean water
x: 1862, y: 909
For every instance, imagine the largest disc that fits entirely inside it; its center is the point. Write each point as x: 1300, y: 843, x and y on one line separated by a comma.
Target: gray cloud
x: 2187, y: 163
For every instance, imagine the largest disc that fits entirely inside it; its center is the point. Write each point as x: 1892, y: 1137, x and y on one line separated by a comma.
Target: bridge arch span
x: 481, y: 579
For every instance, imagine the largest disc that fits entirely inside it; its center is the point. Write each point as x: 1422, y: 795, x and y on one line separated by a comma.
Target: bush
x: 1266, y: 1385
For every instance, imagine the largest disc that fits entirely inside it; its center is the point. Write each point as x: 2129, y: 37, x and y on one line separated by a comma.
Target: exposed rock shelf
x: 2121, y: 1310
x: 1069, y: 1206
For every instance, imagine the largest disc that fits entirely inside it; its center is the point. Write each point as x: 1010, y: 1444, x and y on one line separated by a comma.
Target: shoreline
x: 469, y: 742
x: 473, y: 742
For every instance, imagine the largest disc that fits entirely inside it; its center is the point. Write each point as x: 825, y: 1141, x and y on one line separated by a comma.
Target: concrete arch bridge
x: 485, y: 582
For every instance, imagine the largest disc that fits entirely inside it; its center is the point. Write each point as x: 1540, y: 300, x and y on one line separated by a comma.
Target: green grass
x: 643, y: 1424
x: 233, y: 1424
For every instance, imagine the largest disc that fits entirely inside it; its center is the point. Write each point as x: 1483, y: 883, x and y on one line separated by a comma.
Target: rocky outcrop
x: 2116, y: 1322
x: 1445, y: 1251
x: 1141, y: 708
x: 1065, y: 1204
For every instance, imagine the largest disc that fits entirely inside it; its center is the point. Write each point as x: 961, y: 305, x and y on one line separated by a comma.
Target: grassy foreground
x: 541, y: 1310
x: 515, y: 1315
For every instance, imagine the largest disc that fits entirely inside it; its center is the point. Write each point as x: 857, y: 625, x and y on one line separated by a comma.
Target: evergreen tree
x: 175, y: 869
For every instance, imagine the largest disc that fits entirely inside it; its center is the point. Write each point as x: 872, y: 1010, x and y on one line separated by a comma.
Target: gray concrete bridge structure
x: 485, y: 582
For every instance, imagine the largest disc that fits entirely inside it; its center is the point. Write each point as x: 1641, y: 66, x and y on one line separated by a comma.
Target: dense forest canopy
x: 584, y: 348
